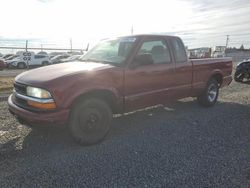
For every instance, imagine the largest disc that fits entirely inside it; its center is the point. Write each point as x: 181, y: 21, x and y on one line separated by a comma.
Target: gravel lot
x: 11, y: 72
x: 182, y: 145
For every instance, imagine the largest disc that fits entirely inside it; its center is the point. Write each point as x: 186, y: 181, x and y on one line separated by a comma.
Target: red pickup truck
x: 116, y: 76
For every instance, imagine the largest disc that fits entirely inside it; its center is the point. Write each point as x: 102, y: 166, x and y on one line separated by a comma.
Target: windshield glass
x: 110, y: 51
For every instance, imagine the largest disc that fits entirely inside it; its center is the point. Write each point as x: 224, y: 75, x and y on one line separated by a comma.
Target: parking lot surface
x: 181, y: 145
x: 11, y: 72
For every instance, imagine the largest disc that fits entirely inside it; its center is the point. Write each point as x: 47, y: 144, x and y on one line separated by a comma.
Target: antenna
x: 87, y: 48
x: 70, y: 44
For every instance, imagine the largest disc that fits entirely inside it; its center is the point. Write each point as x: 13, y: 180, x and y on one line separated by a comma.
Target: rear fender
x: 217, y: 74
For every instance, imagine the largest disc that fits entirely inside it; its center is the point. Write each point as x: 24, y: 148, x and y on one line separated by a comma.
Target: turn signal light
x: 48, y: 106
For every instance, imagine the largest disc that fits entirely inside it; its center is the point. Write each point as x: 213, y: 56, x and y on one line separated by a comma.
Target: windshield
x: 110, y: 51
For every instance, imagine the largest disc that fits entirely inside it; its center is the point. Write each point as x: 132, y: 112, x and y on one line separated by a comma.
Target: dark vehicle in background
x: 58, y: 58
x: 116, y: 76
x: 242, y: 73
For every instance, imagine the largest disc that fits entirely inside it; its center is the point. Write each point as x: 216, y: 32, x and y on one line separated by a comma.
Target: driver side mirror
x: 142, y: 59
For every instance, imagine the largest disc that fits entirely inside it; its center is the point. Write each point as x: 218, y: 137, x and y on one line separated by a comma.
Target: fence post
x: 26, y: 49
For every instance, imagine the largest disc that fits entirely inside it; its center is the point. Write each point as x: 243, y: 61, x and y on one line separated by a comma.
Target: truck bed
x: 203, y: 69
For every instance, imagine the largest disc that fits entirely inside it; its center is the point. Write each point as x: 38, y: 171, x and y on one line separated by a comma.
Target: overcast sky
x: 199, y: 22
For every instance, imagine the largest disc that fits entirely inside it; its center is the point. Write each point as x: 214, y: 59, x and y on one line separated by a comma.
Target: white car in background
x: 30, y: 59
x: 58, y: 58
x: 10, y: 59
x: 71, y: 58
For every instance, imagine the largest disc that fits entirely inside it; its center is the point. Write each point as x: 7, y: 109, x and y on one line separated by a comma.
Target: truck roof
x: 150, y: 35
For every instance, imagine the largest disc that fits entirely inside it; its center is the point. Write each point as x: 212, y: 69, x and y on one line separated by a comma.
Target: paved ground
x: 183, y: 145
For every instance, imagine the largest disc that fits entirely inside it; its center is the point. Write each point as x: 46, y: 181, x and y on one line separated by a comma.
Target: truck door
x: 183, y: 69
x: 149, y: 84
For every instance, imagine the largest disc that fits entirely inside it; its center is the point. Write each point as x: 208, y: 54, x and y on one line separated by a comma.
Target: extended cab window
x: 158, y: 49
x: 179, y: 50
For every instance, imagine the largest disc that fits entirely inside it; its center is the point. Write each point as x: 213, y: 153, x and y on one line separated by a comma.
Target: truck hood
x: 51, y: 72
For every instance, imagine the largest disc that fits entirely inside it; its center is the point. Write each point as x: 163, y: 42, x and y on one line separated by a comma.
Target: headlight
x: 38, y: 93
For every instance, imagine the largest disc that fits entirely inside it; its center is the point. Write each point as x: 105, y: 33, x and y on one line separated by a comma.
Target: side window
x: 158, y: 49
x: 39, y: 56
x: 179, y: 51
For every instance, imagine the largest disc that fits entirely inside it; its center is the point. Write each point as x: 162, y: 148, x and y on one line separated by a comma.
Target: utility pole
x: 132, y: 30
x: 227, y: 41
x: 87, y: 48
x: 26, y: 49
x: 26, y: 46
x: 226, y: 44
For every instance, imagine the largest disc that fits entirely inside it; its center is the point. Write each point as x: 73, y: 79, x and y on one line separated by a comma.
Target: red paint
x: 131, y: 88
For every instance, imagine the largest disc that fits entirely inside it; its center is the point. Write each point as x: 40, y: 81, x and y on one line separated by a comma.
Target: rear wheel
x: 21, y: 65
x: 90, y: 121
x: 210, y: 95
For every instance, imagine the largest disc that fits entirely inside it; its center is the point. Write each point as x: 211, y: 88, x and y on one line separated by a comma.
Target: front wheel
x: 210, y: 95
x: 90, y: 121
x: 21, y: 65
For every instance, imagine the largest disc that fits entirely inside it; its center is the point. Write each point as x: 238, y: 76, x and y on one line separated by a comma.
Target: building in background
x: 197, y: 53
x: 238, y: 54
x: 219, y: 51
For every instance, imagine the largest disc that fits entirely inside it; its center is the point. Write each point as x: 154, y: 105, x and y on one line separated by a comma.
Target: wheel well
x: 218, y: 78
x: 105, y: 95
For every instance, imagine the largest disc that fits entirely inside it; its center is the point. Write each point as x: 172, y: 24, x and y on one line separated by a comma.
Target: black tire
x: 45, y: 63
x: 90, y: 121
x: 209, y: 97
x: 21, y: 65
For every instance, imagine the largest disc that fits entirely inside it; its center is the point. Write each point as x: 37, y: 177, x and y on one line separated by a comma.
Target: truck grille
x: 22, y: 103
x: 20, y: 88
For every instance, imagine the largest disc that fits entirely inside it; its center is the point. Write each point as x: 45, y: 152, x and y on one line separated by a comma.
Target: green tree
x: 242, y: 47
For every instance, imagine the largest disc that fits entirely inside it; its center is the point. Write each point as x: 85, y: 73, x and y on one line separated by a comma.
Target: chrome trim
x: 33, y: 99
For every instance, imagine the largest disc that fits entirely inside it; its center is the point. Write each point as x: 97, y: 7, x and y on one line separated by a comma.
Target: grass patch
x: 6, y: 83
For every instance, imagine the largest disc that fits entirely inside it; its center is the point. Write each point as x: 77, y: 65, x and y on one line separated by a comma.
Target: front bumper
x: 38, y: 118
